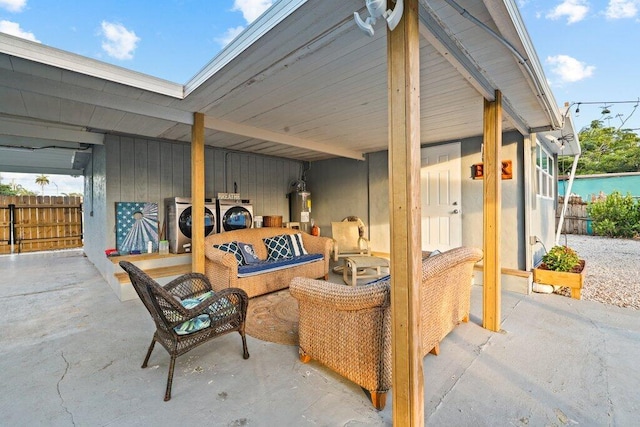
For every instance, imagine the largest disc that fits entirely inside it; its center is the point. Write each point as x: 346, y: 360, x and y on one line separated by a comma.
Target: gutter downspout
x: 567, y: 193
x: 529, y: 146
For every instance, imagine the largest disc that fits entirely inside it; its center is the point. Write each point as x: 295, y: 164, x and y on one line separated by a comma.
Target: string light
x: 605, y: 109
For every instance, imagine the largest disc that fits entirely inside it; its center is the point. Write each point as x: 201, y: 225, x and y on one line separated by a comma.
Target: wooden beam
x: 403, y: 56
x: 492, y: 210
x: 444, y: 40
x: 280, y: 138
x: 197, y: 193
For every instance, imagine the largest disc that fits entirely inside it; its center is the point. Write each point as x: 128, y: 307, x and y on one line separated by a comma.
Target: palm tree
x: 42, y: 180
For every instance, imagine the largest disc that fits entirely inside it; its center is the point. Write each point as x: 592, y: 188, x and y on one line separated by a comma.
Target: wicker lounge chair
x: 347, y: 240
x: 188, y: 313
x: 348, y: 328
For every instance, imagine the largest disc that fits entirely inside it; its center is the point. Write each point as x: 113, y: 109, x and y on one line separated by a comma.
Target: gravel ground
x: 613, y: 269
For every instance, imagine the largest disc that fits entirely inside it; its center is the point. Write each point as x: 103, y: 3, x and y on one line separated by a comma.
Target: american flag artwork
x: 136, y: 225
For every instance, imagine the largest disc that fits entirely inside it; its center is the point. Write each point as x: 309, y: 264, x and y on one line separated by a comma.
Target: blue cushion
x: 280, y: 264
x: 218, y: 309
x: 197, y: 323
x: 295, y: 244
x: 248, y: 253
x: 232, y: 247
x: 277, y: 247
x: 381, y: 279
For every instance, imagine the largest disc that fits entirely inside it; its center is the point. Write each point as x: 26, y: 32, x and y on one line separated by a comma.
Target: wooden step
x: 140, y: 257
x: 156, y: 273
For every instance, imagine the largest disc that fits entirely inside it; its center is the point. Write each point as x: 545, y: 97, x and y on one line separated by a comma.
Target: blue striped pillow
x: 295, y: 244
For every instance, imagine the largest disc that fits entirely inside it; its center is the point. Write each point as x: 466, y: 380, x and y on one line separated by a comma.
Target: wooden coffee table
x: 364, y: 267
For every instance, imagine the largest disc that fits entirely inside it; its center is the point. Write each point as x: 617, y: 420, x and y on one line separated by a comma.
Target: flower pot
x: 573, y: 280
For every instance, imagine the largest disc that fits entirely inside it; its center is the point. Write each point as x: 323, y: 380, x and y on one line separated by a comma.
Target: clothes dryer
x: 178, y: 219
x: 234, y: 214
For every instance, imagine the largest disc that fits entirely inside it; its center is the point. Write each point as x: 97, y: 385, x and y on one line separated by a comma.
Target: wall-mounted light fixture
x: 378, y: 9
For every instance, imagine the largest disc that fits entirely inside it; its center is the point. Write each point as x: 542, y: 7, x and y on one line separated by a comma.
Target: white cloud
x: 13, y: 5
x: 569, y: 69
x: 119, y: 42
x: 231, y: 34
x: 574, y: 10
x: 618, y: 9
x: 13, y: 28
x: 251, y: 9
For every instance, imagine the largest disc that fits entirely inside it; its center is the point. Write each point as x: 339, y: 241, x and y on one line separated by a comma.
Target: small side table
x: 364, y: 267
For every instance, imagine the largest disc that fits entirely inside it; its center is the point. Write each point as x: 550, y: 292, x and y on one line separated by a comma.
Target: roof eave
x: 258, y: 28
x: 540, y: 81
x: 37, y: 52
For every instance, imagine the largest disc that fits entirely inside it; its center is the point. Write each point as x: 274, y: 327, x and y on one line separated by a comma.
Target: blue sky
x: 588, y: 48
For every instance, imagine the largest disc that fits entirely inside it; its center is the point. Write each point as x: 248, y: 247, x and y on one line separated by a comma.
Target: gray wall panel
x: 342, y: 187
x: 339, y: 188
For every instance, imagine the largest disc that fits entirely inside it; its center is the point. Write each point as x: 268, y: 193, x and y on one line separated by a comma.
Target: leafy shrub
x: 561, y: 258
x: 615, y: 215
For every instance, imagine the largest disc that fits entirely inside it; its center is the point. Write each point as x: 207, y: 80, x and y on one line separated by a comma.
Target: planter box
x: 561, y: 278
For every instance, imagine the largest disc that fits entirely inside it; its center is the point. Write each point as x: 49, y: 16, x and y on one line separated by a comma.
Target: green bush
x: 561, y: 258
x: 615, y: 215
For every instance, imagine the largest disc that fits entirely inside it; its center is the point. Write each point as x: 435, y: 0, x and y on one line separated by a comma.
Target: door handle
x: 455, y: 211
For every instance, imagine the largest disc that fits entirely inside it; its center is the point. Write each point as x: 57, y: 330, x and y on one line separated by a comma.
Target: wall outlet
x: 533, y: 240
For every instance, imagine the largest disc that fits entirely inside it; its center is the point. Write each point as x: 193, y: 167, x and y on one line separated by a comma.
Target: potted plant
x: 561, y: 266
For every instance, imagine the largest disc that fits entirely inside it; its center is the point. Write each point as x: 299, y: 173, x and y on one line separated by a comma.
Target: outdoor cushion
x: 232, y: 247
x: 204, y: 320
x: 277, y: 247
x: 381, y: 279
x: 280, y: 264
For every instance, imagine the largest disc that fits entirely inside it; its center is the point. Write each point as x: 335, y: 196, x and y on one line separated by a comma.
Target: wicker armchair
x: 348, y: 328
x: 178, y: 328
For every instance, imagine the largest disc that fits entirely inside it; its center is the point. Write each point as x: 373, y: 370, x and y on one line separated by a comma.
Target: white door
x: 440, y: 180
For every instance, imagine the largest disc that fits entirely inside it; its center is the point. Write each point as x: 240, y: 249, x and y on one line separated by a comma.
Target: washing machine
x: 234, y: 214
x: 178, y: 221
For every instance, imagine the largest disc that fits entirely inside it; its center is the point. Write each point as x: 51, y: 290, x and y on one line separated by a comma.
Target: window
x: 544, y: 173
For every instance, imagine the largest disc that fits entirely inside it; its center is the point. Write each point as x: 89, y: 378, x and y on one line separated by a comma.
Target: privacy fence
x: 39, y: 223
x: 576, y: 220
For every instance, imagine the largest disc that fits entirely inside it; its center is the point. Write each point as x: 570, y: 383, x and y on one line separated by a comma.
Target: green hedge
x: 615, y: 215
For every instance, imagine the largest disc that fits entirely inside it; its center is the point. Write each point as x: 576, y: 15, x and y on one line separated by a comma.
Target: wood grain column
x: 403, y: 54
x: 492, y: 210
x: 197, y: 193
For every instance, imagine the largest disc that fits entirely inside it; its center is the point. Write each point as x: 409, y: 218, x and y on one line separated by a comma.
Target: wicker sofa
x: 348, y: 328
x: 223, y: 271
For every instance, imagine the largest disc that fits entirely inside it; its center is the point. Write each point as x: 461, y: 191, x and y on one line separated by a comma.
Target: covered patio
x: 308, y: 89
x: 71, y: 355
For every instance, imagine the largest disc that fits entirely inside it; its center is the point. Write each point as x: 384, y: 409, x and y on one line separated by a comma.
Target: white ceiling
x: 302, y: 82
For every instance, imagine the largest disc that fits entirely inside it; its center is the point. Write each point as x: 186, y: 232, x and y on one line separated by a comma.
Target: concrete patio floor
x: 71, y: 355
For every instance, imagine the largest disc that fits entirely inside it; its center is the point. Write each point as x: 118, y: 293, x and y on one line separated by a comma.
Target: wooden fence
x: 576, y: 220
x: 40, y: 223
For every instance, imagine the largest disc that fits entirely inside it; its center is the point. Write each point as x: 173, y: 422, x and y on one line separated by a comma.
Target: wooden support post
x: 403, y: 54
x: 492, y: 211
x: 197, y: 193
